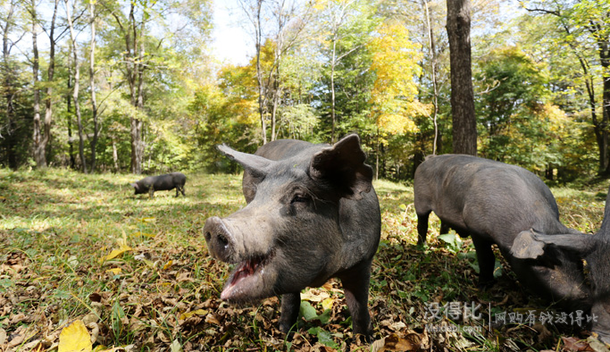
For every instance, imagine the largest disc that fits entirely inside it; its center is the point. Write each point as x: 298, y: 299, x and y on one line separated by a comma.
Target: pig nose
x: 219, y: 239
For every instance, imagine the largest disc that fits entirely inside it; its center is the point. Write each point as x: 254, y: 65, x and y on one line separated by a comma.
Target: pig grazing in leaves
x: 165, y: 182
x: 493, y: 202
x: 312, y: 214
x: 537, y: 244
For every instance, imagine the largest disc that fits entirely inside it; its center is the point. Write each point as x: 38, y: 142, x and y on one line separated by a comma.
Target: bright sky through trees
x: 231, y: 42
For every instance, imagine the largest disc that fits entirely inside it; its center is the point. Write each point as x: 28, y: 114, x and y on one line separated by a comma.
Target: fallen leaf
x: 210, y: 318
x: 596, y: 345
x: 150, y: 219
x: 187, y: 315
x: 175, y: 346
x: 314, y: 295
x: 75, y: 338
x: 115, y: 271
x: 328, y: 303
x: 575, y: 344
x: 395, y: 343
x: 2, y: 336
x: 95, y: 297
x: 116, y: 252
x: 135, y: 234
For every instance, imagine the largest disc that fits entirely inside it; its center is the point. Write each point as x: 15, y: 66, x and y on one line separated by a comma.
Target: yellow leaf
x: 75, y: 338
x: 187, y: 315
x: 168, y: 265
x: 136, y: 234
x: 328, y: 303
x: 151, y: 219
x: 115, y: 271
x: 117, y: 252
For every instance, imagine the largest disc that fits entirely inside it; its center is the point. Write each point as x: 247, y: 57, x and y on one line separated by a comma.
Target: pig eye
x: 299, y: 198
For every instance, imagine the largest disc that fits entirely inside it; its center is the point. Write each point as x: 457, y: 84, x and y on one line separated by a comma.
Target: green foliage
x: 453, y: 241
x: 324, y: 337
x: 346, y: 60
x: 298, y: 122
x: 16, y: 113
x: 517, y: 122
x: 538, y: 81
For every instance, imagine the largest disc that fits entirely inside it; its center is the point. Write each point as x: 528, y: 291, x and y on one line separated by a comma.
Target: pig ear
x: 531, y: 244
x: 343, y: 167
x: 257, y: 164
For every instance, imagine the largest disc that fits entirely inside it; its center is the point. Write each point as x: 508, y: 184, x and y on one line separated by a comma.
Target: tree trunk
x: 134, y: 67
x: 433, y: 63
x: 599, y: 127
x: 259, y: 71
x: 604, y: 55
x: 9, y: 90
x: 39, y: 148
x: 277, y: 92
x: 136, y: 141
x: 115, y: 156
x: 75, y: 91
x: 94, y: 111
x: 462, y: 93
x: 48, y: 112
x: 332, y: 93
x: 69, y: 111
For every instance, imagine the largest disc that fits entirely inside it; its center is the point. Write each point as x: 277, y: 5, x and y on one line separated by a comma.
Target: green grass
x: 58, y: 227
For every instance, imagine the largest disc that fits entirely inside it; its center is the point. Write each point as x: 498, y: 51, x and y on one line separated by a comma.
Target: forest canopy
x: 122, y: 86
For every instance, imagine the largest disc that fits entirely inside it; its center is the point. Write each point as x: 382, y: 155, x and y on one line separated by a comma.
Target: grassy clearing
x: 137, y: 273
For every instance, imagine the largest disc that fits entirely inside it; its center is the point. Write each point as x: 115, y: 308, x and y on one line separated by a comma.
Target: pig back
x: 504, y: 200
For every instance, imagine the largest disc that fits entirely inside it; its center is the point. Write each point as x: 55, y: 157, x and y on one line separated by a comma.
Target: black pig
x: 493, y: 202
x: 165, y: 182
x: 594, y: 249
x: 312, y: 214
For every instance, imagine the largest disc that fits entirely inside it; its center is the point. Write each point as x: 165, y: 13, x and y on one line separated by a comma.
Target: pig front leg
x: 151, y: 192
x: 422, y: 228
x: 444, y: 228
x: 178, y: 191
x: 356, y: 289
x: 486, y: 259
x: 291, y: 305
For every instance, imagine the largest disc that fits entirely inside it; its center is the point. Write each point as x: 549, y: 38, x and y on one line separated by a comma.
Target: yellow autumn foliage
x: 395, y: 62
x: 557, y: 117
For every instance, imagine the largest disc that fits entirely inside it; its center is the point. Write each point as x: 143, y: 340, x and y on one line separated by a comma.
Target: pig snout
x: 219, y: 239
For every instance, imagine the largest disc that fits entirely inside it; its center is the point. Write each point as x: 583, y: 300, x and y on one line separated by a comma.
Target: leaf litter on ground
x: 135, y: 273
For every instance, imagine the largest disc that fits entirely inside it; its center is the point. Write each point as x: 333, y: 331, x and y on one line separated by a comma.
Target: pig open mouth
x: 243, y: 281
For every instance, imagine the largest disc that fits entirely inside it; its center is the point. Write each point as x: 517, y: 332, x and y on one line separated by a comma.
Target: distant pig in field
x: 312, y: 214
x: 493, y: 202
x: 594, y: 249
x: 165, y: 182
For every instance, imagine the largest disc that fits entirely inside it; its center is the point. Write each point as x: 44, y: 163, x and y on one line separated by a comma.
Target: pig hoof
x: 358, y: 339
x: 289, y: 330
x: 485, y: 285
